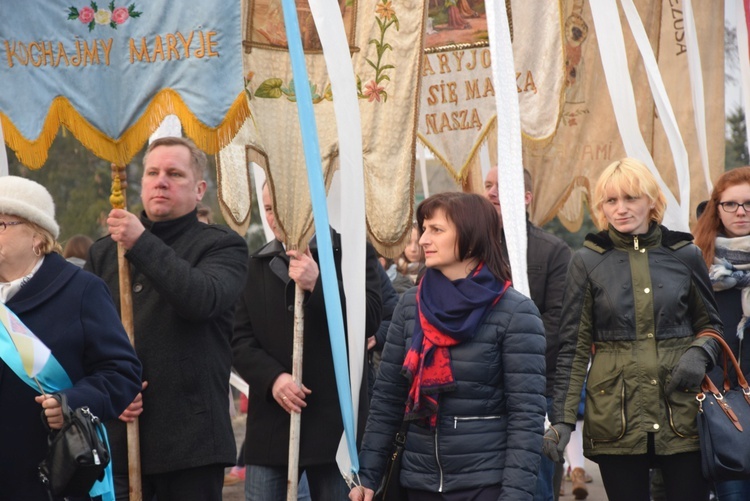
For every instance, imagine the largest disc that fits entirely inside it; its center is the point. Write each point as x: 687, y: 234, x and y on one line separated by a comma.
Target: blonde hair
x: 629, y: 177
x: 48, y: 244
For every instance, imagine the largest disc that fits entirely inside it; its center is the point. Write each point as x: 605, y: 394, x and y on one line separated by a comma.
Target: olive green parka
x: 639, y: 301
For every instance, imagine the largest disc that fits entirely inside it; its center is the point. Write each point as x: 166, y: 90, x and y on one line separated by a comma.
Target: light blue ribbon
x: 52, y: 379
x: 322, y: 230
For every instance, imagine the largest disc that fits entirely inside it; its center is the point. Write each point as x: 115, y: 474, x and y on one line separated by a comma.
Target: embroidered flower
x: 103, y: 16
x: 86, y: 15
x: 372, y: 91
x: 120, y: 15
x: 91, y: 15
x: 385, y: 10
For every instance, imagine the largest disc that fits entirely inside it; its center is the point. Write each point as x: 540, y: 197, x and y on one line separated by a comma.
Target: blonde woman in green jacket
x: 640, y: 294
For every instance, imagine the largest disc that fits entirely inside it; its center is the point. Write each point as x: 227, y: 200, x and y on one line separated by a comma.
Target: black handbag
x: 77, y: 455
x: 724, y: 423
x: 390, y: 487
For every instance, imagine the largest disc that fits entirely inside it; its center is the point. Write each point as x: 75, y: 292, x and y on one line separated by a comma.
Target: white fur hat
x: 30, y: 200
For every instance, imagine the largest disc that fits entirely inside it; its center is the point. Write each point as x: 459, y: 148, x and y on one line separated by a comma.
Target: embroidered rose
x: 120, y: 15
x: 103, y: 16
x: 86, y: 15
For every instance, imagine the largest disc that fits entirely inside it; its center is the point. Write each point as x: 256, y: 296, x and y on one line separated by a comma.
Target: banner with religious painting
x: 385, y: 42
x: 457, y: 109
x: 588, y: 139
x: 110, y: 72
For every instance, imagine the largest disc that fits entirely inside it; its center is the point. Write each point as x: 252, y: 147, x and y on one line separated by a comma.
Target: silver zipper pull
x: 635, y: 242
x: 96, y: 457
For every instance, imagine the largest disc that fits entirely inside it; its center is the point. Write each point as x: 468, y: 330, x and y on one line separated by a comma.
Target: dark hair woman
x: 463, y: 364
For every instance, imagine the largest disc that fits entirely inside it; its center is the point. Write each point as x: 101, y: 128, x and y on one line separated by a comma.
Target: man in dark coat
x: 547, y: 259
x: 262, y: 349
x: 186, y: 277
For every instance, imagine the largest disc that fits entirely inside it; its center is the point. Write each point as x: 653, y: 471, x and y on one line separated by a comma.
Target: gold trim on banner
x: 33, y: 153
x: 460, y: 176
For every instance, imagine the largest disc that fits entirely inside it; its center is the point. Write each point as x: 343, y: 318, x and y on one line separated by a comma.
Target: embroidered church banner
x: 110, y: 72
x: 588, y: 140
x: 457, y: 109
x: 385, y: 41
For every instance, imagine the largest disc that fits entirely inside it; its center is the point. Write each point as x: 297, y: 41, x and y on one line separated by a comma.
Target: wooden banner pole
x: 118, y: 201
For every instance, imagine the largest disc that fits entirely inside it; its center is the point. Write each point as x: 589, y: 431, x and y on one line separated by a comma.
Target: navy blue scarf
x: 449, y: 313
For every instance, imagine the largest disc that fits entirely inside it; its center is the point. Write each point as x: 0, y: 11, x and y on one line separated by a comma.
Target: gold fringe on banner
x: 462, y: 173
x: 33, y: 153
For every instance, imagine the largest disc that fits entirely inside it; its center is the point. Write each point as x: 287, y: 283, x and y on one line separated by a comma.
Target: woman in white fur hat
x: 72, y: 313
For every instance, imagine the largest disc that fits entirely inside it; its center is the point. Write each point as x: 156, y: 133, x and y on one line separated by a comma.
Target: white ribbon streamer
x: 169, y: 127
x: 744, y: 53
x: 423, y: 171
x: 615, y: 63
x: 330, y: 28
x: 510, y: 173
x: 664, y: 107
x: 3, y: 154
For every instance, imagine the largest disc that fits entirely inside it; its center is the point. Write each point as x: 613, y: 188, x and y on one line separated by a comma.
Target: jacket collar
x: 169, y: 231
x: 54, y: 273
x: 279, y: 261
x: 271, y: 249
x: 657, y: 235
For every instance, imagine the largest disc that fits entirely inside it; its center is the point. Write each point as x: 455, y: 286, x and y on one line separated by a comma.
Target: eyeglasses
x: 733, y: 206
x: 5, y: 224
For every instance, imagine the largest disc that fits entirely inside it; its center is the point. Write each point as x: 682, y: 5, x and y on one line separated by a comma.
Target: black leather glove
x: 555, y: 440
x: 689, y: 371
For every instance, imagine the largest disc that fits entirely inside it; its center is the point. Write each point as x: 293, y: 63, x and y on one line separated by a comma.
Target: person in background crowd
x: 263, y: 346
x: 547, y: 258
x: 463, y: 364
x: 409, y: 263
x: 376, y: 342
x: 640, y: 294
x: 723, y: 234
x: 204, y: 214
x: 77, y: 249
x: 186, y: 277
x: 71, y: 313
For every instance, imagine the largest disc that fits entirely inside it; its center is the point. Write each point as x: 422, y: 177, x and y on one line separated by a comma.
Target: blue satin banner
x: 320, y: 215
x: 111, y: 71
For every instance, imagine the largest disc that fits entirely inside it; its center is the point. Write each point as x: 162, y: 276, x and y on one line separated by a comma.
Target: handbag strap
x: 708, y: 385
x: 401, y: 434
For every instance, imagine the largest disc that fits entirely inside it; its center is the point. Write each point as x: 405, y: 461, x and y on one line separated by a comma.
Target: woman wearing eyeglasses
x: 71, y: 312
x: 723, y: 234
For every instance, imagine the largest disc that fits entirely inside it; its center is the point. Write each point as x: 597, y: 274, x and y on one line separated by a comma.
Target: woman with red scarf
x: 463, y: 365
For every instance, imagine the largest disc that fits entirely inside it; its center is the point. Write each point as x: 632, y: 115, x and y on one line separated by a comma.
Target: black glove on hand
x: 555, y: 441
x: 689, y: 371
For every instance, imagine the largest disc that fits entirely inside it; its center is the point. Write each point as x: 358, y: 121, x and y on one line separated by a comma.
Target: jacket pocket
x: 682, y: 408
x: 462, y: 420
x: 604, y: 418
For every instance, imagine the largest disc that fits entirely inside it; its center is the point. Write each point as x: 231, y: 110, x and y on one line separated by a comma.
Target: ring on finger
x: 283, y: 398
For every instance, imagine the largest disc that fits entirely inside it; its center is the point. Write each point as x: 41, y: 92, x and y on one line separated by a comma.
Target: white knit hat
x: 30, y: 200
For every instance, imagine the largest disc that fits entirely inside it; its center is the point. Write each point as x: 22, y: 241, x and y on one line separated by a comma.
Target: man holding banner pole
x: 262, y: 349
x: 186, y: 277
